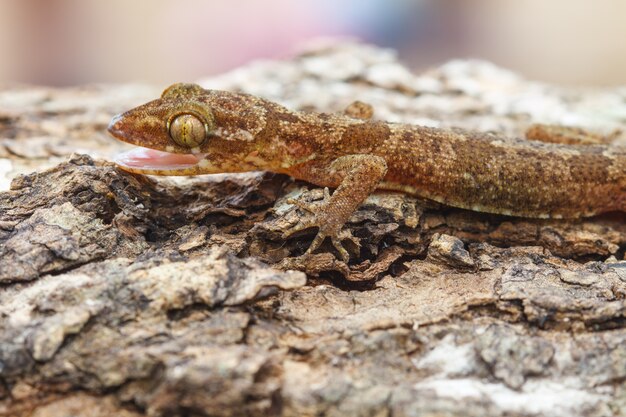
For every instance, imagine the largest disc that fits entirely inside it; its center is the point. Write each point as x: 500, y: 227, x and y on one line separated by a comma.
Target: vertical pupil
x: 186, y: 130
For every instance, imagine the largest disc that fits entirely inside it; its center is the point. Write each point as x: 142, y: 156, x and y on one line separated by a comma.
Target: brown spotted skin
x: 476, y: 171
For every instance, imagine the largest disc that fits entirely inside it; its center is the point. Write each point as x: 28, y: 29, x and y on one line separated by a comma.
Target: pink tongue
x: 150, y: 158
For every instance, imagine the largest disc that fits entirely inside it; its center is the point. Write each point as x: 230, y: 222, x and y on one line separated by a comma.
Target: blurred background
x: 68, y: 42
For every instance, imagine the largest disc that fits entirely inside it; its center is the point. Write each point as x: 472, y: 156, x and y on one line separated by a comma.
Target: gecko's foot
x: 320, y: 219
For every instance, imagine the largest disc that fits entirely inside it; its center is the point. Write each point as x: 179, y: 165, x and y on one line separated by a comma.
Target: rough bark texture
x: 129, y: 296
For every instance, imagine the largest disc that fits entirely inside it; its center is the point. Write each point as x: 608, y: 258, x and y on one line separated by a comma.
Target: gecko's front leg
x: 357, y: 176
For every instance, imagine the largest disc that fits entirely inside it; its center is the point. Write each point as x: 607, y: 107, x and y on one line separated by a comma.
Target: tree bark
x: 130, y: 296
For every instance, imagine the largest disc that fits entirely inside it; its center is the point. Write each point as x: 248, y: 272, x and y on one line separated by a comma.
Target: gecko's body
x: 230, y: 132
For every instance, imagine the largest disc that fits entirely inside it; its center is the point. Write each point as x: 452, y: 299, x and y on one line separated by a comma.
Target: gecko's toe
x: 312, y: 207
x: 303, y: 225
x: 309, y: 207
x: 343, y: 253
x: 335, y: 240
x: 317, y: 241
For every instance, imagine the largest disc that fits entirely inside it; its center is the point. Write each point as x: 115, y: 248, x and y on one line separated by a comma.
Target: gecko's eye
x: 187, y: 130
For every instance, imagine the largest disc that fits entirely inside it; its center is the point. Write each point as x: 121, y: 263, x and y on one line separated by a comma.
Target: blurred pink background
x: 67, y: 42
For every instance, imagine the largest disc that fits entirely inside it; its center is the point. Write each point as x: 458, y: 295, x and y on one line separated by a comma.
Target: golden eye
x: 188, y: 131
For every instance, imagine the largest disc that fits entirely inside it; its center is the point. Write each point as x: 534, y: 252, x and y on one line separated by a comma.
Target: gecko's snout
x: 115, y: 126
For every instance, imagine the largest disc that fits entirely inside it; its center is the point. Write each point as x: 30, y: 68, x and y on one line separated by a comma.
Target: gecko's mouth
x: 144, y: 160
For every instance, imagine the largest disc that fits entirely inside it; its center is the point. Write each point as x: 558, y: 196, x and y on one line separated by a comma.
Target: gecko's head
x: 189, y: 130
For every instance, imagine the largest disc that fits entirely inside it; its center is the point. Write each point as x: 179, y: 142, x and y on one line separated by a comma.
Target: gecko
x: 192, y: 131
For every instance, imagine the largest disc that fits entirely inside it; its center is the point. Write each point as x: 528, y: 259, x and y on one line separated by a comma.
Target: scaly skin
x: 476, y: 171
